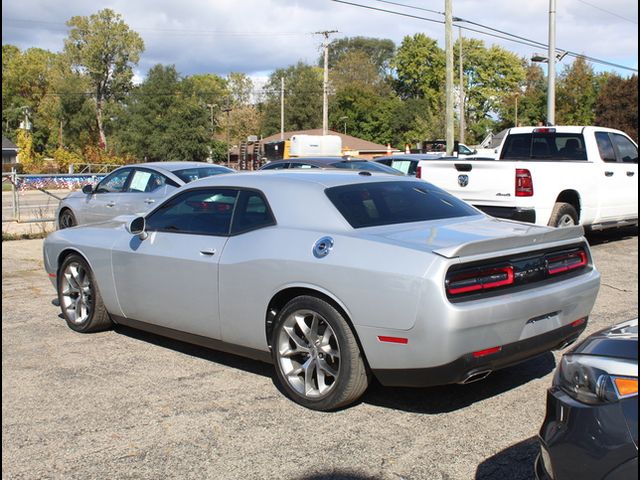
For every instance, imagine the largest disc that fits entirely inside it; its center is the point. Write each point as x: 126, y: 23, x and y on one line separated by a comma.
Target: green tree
x: 161, y: 123
x: 420, y: 69
x: 302, y: 100
x: 104, y: 48
x: 576, y: 94
x: 617, y: 105
x: 379, y: 51
x: 240, y: 88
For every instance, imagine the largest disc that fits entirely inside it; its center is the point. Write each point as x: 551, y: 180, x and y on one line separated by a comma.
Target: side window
x: 301, y: 165
x: 205, y: 211
x: 115, y: 182
x: 252, y: 212
x: 605, y: 147
x: 146, y: 181
x: 627, y: 151
x: 275, y: 166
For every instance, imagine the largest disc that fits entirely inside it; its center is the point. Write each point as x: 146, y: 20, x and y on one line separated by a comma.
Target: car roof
x: 173, y: 166
x: 412, y: 156
x: 320, y: 161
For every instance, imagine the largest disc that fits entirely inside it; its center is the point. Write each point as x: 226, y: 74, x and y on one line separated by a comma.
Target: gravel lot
x: 125, y: 404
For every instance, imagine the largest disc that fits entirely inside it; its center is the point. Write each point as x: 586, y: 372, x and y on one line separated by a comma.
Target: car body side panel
x: 257, y: 265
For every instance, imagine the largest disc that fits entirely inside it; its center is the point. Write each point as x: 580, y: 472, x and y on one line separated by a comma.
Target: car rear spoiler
x: 479, y: 247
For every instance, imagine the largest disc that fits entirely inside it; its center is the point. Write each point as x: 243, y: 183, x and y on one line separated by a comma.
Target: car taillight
x: 483, y: 279
x: 524, y: 183
x: 418, y: 171
x: 566, y: 261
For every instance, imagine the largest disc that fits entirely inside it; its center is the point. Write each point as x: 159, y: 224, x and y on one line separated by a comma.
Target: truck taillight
x: 524, y: 183
x: 481, y: 279
x: 566, y: 261
x: 418, y: 171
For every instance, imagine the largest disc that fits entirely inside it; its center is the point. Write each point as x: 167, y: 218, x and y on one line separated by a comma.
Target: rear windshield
x: 541, y: 146
x: 190, y: 174
x: 386, y: 203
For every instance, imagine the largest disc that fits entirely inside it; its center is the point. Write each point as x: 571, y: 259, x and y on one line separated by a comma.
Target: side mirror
x: 87, y: 189
x: 137, y: 227
x: 475, y: 151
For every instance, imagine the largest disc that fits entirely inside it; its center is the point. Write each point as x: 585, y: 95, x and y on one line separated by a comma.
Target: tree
x: 576, y: 94
x: 303, y: 99
x: 379, y: 51
x: 240, y: 88
x: 104, y: 48
x: 161, y: 123
x: 617, y: 105
x: 420, y: 69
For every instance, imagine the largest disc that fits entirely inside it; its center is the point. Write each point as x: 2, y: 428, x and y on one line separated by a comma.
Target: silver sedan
x: 132, y: 189
x: 334, y: 277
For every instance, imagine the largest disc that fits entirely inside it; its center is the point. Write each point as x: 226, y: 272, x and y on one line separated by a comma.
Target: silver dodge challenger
x: 334, y: 277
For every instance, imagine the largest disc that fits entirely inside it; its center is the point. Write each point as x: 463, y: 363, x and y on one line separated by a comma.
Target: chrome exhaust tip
x: 475, y: 376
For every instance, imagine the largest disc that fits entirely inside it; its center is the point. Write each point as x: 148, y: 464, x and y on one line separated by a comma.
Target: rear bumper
x: 466, y: 365
x: 519, y: 214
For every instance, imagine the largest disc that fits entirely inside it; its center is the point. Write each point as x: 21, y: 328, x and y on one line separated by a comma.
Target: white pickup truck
x: 558, y: 176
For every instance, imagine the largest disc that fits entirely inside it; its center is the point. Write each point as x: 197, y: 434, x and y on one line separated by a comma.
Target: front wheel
x: 317, y: 358
x: 79, y: 297
x: 563, y: 215
x: 67, y: 219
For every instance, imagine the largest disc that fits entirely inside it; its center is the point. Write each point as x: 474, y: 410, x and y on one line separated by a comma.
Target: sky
x: 256, y: 37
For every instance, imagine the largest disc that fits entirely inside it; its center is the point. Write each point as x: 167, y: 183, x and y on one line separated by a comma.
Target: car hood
x: 619, y: 341
x: 465, y: 236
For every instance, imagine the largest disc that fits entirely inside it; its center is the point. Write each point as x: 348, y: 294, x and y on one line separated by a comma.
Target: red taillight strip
x: 52, y: 275
x: 577, y: 323
x: 480, y: 285
x: 486, y: 351
x: 402, y: 340
x: 580, y: 256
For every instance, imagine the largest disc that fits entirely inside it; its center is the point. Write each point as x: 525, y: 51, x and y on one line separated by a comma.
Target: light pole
x: 344, y: 119
x: 227, y: 111
x: 211, y: 105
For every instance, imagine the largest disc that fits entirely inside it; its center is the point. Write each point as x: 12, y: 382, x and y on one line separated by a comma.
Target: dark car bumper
x: 527, y: 215
x: 468, y: 365
x: 585, y: 441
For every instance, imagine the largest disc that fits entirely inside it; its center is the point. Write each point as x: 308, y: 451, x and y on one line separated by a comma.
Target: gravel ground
x: 125, y: 404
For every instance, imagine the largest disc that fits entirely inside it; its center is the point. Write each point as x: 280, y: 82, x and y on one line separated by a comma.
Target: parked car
x: 348, y: 163
x: 591, y: 427
x: 558, y: 176
x: 415, y: 164
x: 132, y: 189
x: 333, y: 276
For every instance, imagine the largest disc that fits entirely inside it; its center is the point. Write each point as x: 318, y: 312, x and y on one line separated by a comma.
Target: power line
x: 609, y: 12
x: 509, y: 36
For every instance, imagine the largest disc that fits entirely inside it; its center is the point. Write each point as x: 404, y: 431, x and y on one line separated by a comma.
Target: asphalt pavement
x: 123, y: 404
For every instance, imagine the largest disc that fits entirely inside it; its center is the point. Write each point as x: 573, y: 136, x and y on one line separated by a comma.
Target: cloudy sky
x: 257, y: 36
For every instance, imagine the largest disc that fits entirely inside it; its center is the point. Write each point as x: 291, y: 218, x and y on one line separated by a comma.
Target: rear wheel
x: 563, y: 215
x: 79, y: 297
x: 67, y: 219
x: 317, y: 358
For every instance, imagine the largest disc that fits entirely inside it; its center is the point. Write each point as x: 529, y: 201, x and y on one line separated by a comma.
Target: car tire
x: 563, y: 215
x: 79, y: 297
x: 66, y: 219
x: 317, y: 358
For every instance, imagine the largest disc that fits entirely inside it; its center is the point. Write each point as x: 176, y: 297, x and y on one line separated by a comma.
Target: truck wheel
x: 563, y: 215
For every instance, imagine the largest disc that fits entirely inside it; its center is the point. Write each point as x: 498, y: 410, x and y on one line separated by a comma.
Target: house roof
x: 8, y: 144
x: 348, y: 142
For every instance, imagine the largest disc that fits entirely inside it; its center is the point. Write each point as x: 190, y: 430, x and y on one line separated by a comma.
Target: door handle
x: 149, y: 201
x: 111, y: 204
x: 608, y: 174
x: 208, y: 251
x: 630, y: 174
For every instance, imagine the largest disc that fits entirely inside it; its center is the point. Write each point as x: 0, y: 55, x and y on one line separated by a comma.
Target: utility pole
x: 282, y: 108
x: 448, y: 45
x: 461, y: 136
x: 227, y: 111
x: 325, y: 82
x: 551, y: 71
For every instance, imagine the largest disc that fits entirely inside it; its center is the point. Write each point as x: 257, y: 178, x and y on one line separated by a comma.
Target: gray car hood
x: 465, y: 236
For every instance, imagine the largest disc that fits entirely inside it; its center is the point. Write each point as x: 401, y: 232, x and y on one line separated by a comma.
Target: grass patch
x: 23, y: 236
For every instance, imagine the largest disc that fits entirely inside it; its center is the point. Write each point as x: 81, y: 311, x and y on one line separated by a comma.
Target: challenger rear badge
x: 463, y: 180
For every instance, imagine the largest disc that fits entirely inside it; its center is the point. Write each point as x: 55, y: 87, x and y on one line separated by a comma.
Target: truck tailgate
x: 484, y: 182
